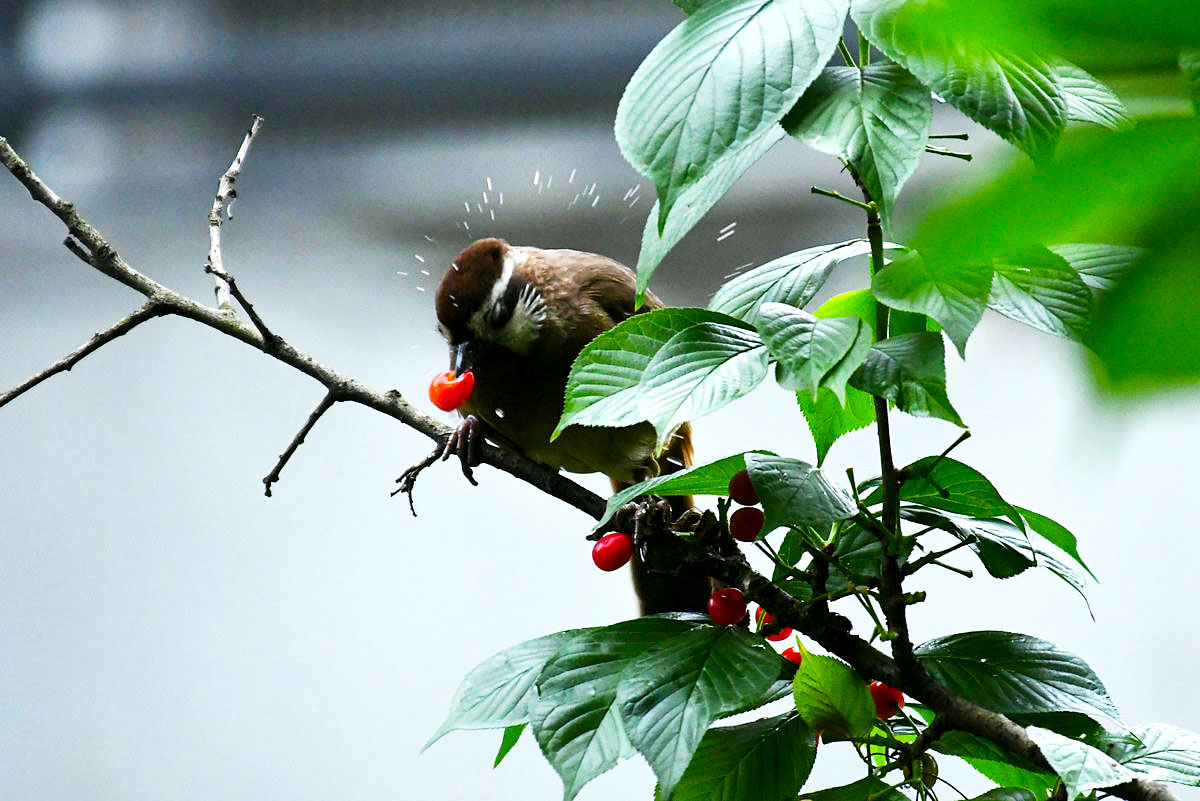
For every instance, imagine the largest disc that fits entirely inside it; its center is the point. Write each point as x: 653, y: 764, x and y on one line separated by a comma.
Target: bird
x: 516, y: 317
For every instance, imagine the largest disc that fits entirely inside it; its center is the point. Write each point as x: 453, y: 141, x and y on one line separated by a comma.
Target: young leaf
x: 832, y: 698
x: 511, y: 735
x: 1162, y: 753
x: 705, y: 479
x: 806, y: 347
x: 948, y: 484
x: 872, y: 788
x: 724, y: 75
x: 695, y: 201
x: 794, y: 493
x: 875, y: 118
x: 910, y: 371
x: 1090, y: 100
x: 828, y: 420
x: 953, y: 293
x: 575, y: 718
x: 670, y: 695
x: 698, y: 371
x: 1100, y: 266
x: 1017, y: 96
x: 1056, y: 534
x: 499, y: 692
x: 1039, y: 288
x: 1081, y: 767
x: 1015, y: 674
x: 603, y: 388
x: 793, y: 279
x: 767, y: 760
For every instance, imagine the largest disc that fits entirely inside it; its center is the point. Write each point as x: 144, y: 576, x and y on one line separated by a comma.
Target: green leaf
x: 1001, y: 547
x: 575, y: 718
x: 1038, y: 287
x: 806, y: 347
x: 953, y: 293
x: 909, y: 371
x: 698, y: 371
x: 869, y: 789
x: 499, y: 692
x: 1081, y: 767
x: 794, y: 493
x: 875, y: 119
x: 1090, y: 100
x: 828, y: 420
x: 1015, y: 674
x: 857, y: 555
x: 1100, y: 266
x: 793, y: 279
x: 695, y: 201
x: 994, y: 762
x: 1006, y: 794
x: 511, y: 735
x: 604, y: 385
x: 1189, y: 65
x: 706, y: 479
x: 1162, y: 753
x: 1015, y: 95
x: 670, y: 695
x: 950, y: 485
x: 832, y: 698
x: 767, y: 760
x: 724, y: 75
x: 1056, y: 534
x: 690, y: 6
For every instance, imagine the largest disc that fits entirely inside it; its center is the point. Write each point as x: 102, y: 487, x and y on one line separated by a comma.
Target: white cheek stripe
x: 512, y: 260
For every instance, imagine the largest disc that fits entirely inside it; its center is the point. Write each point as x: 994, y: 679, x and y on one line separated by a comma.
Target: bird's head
x: 485, y: 301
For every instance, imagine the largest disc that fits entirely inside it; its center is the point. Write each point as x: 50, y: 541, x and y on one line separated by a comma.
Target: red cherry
x: 746, y: 523
x: 762, y: 617
x: 741, y: 490
x: 612, y: 551
x: 727, y: 606
x: 888, y: 700
x: 448, y: 392
x: 792, y: 655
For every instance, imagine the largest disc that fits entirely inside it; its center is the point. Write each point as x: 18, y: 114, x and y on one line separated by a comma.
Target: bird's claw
x: 465, y: 442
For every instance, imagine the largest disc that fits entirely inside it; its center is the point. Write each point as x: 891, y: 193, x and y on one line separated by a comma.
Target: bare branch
x: 222, y: 208
x: 408, y: 479
x: 123, y: 326
x: 325, y: 405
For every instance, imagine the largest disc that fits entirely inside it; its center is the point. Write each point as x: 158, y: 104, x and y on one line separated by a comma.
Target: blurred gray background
x: 168, y: 632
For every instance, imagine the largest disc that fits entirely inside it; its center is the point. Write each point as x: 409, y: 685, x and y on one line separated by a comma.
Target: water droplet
x: 467, y: 206
x: 537, y: 177
x: 401, y: 272
x: 571, y: 178
x: 420, y: 289
x: 419, y: 257
x: 485, y: 200
x: 425, y: 272
x: 595, y: 201
x: 549, y: 181
x: 489, y: 183
x: 428, y: 238
x: 501, y: 198
x: 493, y: 213
x: 499, y: 413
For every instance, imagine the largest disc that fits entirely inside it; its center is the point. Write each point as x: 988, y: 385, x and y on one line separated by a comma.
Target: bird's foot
x: 466, y: 442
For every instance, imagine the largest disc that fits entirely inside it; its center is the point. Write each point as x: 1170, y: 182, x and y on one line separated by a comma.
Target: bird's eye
x: 499, y: 315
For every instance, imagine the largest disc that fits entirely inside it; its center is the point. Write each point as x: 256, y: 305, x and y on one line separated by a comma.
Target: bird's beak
x: 465, y: 354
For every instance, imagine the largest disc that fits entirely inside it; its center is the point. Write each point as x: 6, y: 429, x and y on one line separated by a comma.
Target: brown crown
x: 467, y: 285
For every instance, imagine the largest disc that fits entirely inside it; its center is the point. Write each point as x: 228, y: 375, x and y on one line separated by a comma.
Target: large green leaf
x: 996, y: 763
x: 1039, y: 288
x: 832, y: 698
x: 499, y: 692
x: 953, y: 293
x: 793, y: 279
x: 948, y: 484
x: 603, y: 388
x: 828, y: 420
x: 807, y: 348
x: 1081, y: 767
x: 575, y: 719
x: 794, y: 493
x: 1161, y: 752
x: 698, y: 371
x: 872, y: 788
x: 1001, y: 547
x: 875, y: 119
x: 1015, y: 674
x: 724, y: 75
x: 695, y: 201
x: 1056, y: 534
x: 765, y: 760
x: 1100, y: 266
x: 1016, y: 95
x: 1090, y: 100
x: 670, y: 695
x: 1189, y: 65
x: 910, y: 371
x: 705, y: 479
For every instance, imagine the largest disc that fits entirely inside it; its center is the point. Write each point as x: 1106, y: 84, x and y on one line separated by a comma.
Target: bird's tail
x: 667, y: 588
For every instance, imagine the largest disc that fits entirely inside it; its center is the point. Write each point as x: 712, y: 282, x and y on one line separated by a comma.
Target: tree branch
x: 325, y: 405
x: 222, y: 208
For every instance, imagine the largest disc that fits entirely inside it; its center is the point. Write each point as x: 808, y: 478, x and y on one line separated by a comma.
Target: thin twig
x: 816, y: 190
x: 941, y: 151
x: 146, y: 311
x: 408, y: 479
x: 222, y: 208
x: 325, y: 405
